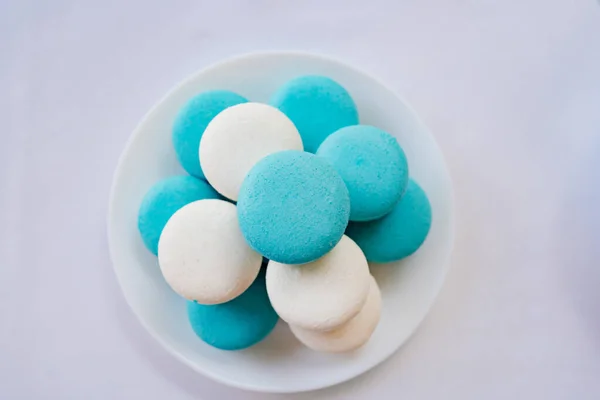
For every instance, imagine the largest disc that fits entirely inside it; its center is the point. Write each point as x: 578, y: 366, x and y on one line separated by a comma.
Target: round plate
x: 279, y: 363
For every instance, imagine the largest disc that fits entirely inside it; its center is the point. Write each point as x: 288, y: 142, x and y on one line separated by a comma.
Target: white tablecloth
x: 510, y: 89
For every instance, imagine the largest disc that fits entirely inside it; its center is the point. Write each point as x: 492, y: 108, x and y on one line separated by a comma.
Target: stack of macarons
x: 284, y: 206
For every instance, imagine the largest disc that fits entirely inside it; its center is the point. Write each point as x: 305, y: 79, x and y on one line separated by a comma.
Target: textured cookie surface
x: 349, y: 336
x: 373, y: 166
x: 191, y: 121
x: 238, y: 138
x: 203, y: 255
x: 293, y: 207
x: 317, y: 105
x: 237, y: 324
x: 323, y: 294
x: 163, y: 199
x: 398, y: 234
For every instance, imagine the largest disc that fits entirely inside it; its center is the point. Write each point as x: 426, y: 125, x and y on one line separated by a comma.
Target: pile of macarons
x: 284, y: 207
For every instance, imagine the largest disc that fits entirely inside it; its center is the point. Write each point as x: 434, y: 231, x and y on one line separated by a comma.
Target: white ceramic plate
x: 279, y: 363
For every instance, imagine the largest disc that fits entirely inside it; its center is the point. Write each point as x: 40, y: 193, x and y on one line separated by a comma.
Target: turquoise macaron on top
x: 293, y: 207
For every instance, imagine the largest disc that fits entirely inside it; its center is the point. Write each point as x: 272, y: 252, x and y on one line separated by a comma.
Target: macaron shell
x: 323, y: 294
x: 349, y: 336
x: 373, y: 166
x: 236, y: 139
x: 192, y: 120
x: 236, y: 324
x: 203, y: 255
x: 318, y: 106
x: 293, y: 207
x: 163, y: 200
x: 399, y: 233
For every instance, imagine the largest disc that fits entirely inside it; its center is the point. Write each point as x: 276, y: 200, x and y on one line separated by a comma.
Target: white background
x: 510, y: 89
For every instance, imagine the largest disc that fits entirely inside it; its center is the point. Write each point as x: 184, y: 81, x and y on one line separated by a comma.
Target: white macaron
x: 237, y: 138
x: 203, y: 255
x: 349, y: 336
x: 322, y: 294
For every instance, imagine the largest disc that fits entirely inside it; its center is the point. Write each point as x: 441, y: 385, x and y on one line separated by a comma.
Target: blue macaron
x: 237, y: 324
x: 191, y: 121
x: 317, y: 105
x: 373, y: 166
x: 163, y: 199
x: 293, y: 207
x: 399, y: 233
